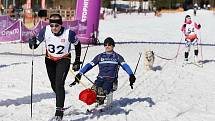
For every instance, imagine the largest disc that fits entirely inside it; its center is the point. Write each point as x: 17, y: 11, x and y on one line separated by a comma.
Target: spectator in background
x: 11, y: 11
x: 35, y: 18
x: 157, y: 12
x: 195, y: 8
x: 2, y: 9
x: 102, y: 15
x: 68, y: 13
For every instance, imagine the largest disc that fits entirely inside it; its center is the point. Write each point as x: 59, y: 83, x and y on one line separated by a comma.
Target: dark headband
x: 58, y: 21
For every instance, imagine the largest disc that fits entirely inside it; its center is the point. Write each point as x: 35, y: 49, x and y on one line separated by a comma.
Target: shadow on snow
x: 6, y: 65
x: 118, y: 108
x: 26, y: 99
x: 207, y: 61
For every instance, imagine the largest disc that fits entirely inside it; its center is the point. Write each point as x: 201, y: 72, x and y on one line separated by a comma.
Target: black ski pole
x: 137, y: 63
x: 89, y: 79
x: 73, y: 83
x: 85, y: 55
x: 140, y: 54
x: 82, y: 65
x: 32, y: 77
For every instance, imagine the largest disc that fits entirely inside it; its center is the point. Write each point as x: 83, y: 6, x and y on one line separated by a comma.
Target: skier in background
x: 58, y: 42
x: 195, y: 8
x: 108, y: 63
x: 189, y: 29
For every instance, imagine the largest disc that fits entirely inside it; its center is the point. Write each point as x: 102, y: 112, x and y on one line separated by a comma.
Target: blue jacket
x: 109, y: 64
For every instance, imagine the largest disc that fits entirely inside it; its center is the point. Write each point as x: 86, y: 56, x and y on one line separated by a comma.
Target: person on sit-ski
x: 108, y: 63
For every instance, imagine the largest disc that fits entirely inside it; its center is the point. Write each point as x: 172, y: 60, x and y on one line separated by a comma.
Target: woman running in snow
x: 58, y: 42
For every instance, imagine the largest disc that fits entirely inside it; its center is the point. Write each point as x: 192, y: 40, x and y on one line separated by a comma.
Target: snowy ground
x: 169, y: 93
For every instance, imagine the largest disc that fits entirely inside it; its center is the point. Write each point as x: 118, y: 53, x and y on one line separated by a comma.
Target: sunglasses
x: 107, y: 45
x: 54, y: 25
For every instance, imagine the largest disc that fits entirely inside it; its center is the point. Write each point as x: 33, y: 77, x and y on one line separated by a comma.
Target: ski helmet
x: 110, y: 41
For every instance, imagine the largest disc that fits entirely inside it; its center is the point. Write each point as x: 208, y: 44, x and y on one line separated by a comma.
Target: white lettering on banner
x: 84, y: 11
x: 27, y: 33
x: 8, y: 33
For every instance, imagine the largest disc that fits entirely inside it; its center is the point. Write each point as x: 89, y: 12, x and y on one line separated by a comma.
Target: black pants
x: 57, y: 72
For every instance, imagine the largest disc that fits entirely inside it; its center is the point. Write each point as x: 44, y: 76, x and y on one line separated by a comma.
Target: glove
x: 132, y: 79
x: 199, y: 26
x: 76, y: 65
x: 77, y: 79
x: 33, y: 42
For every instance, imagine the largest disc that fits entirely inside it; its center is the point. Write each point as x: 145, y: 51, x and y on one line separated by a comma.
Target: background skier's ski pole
x: 177, y: 53
x: 200, y: 43
x: 32, y: 77
x: 140, y: 54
